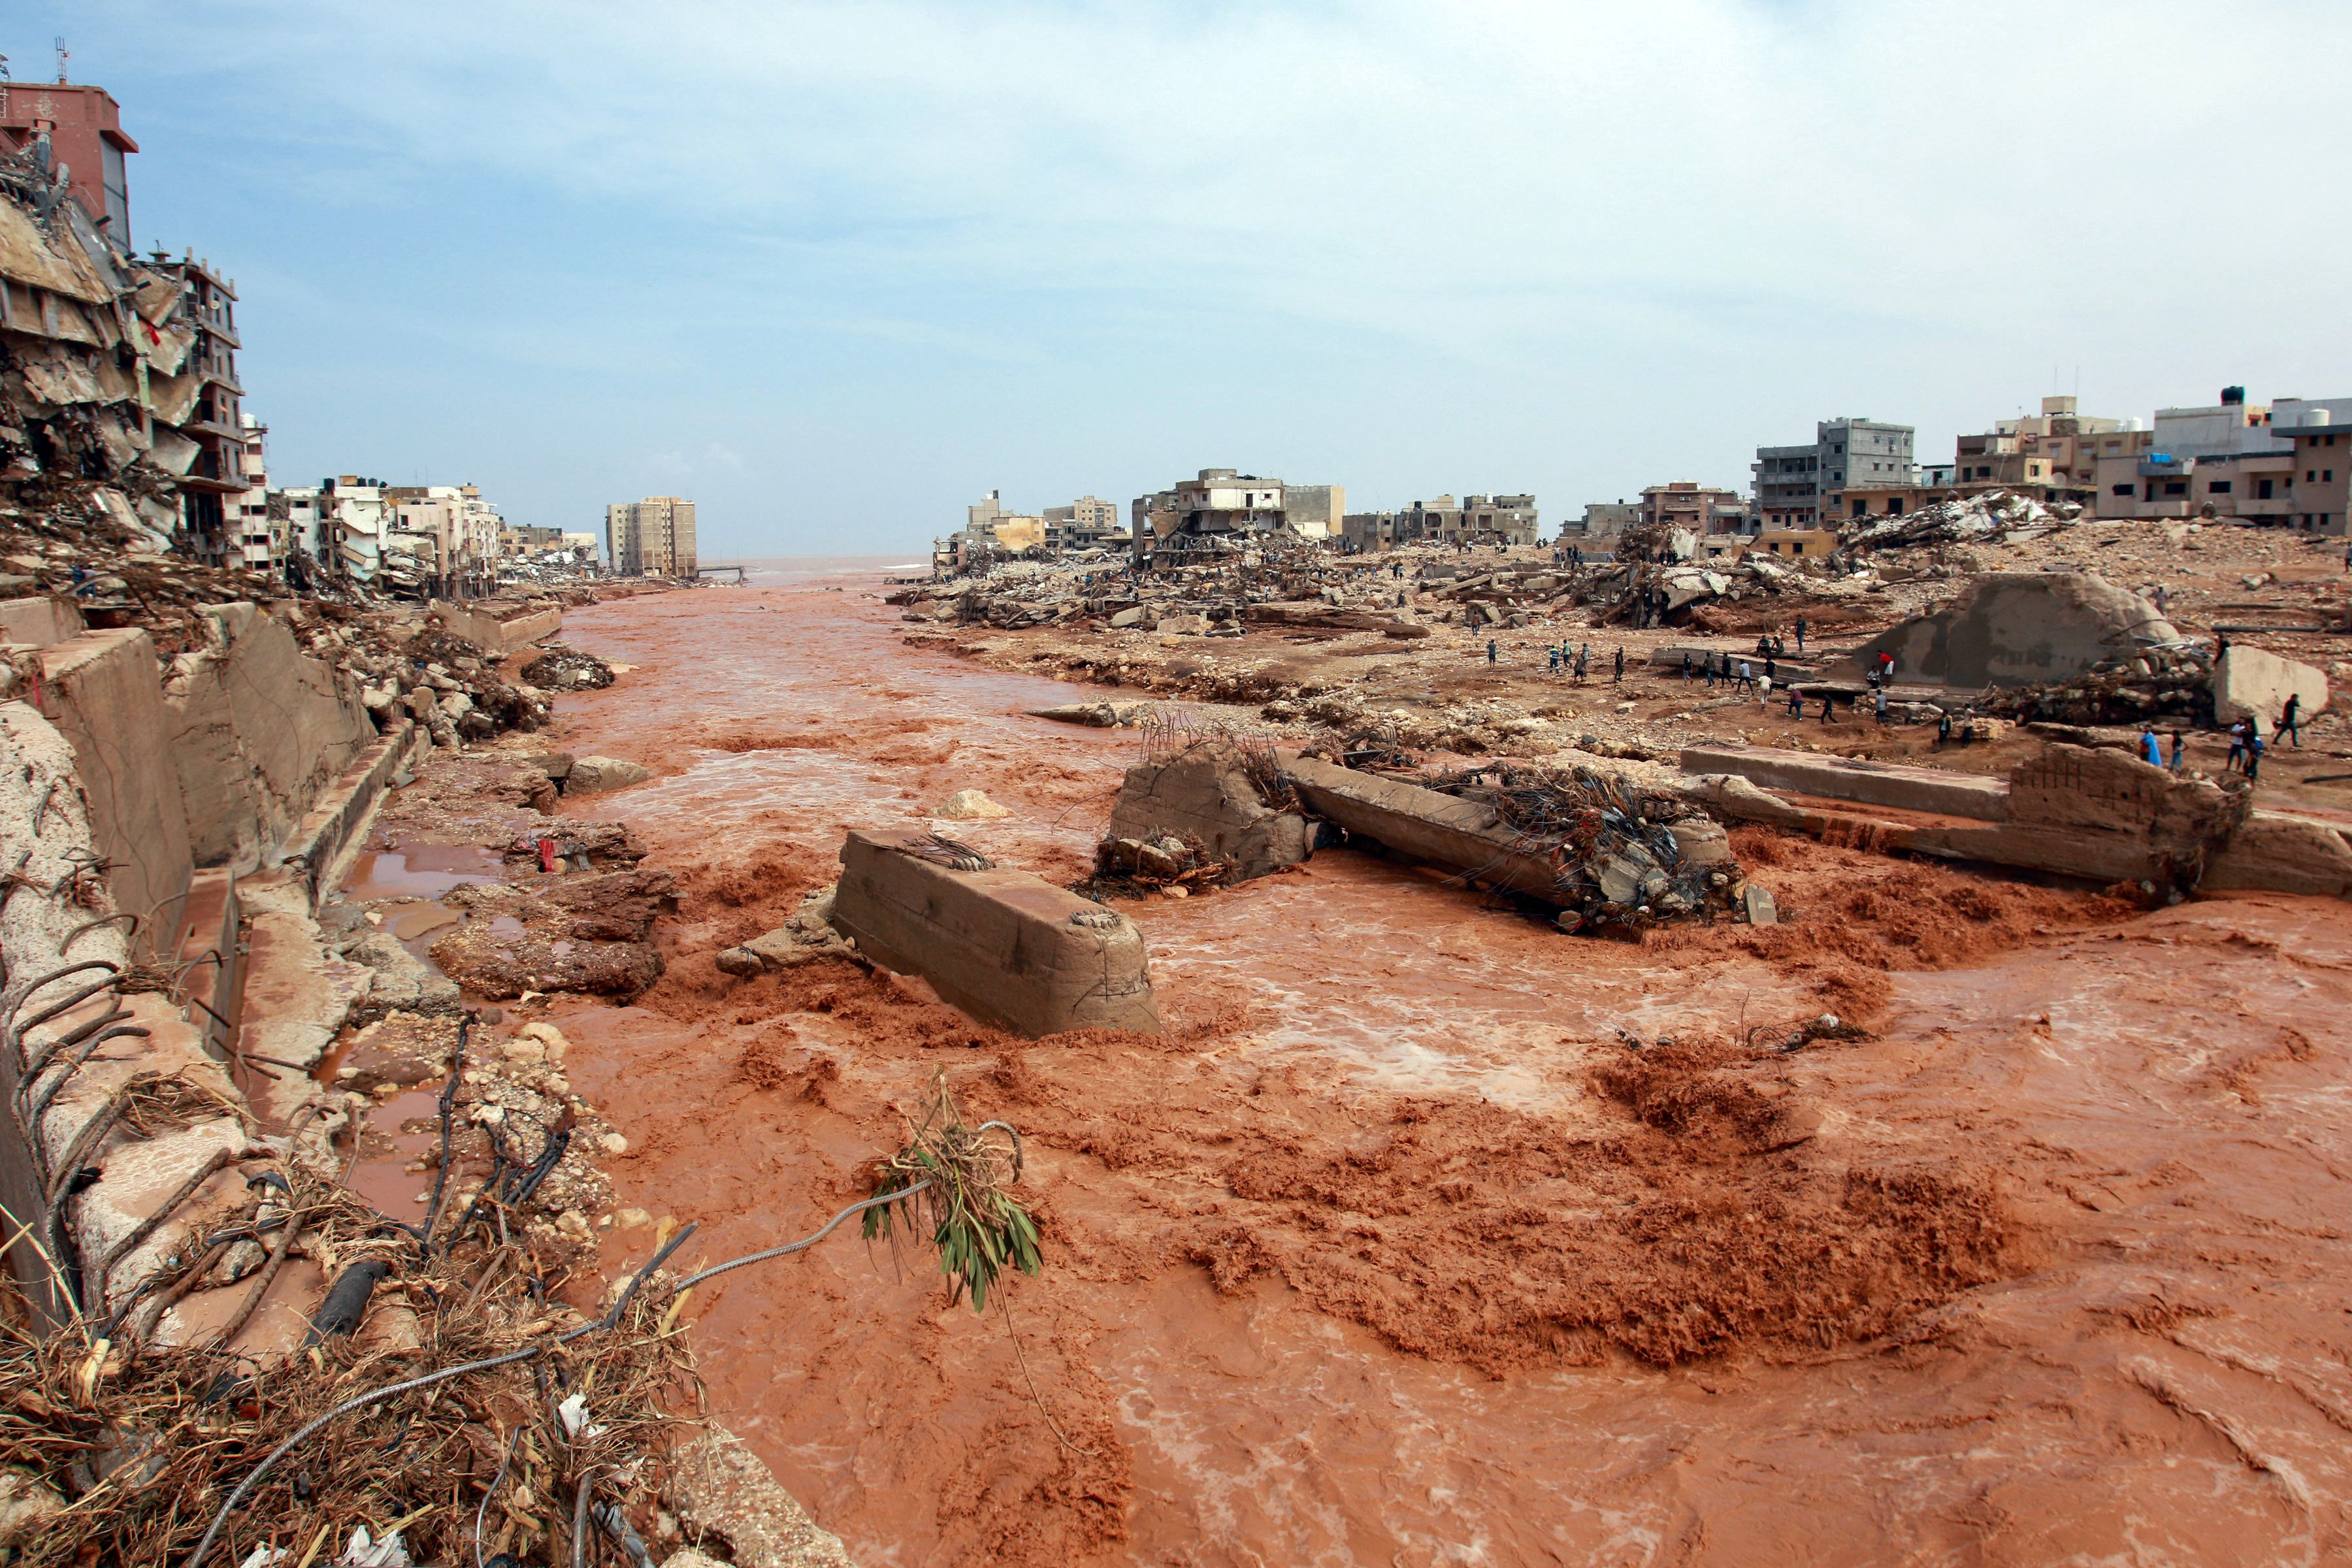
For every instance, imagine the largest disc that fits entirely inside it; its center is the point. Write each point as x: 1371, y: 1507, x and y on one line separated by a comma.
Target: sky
x: 835, y: 270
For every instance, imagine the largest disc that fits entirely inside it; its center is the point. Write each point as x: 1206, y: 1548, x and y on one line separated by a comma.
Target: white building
x: 252, y: 539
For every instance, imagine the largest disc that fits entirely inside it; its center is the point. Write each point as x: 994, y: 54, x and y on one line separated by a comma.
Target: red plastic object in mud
x: 547, y: 855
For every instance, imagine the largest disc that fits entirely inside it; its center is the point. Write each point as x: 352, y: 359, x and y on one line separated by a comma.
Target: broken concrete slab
x: 499, y: 626
x: 2284, y: 852
x: 39, y: 622
x: 1763, y: 909
x: 1007, y: 947
x: 2020, y: 628
x: 590, y: 774
x: 1133, y: 615
x: 1206, y: 792
x: 805, y: 938
x: 2250, y: 683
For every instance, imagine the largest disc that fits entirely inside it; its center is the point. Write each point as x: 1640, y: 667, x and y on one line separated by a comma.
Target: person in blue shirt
x: 2179, y: 749
x: 2150, y: 750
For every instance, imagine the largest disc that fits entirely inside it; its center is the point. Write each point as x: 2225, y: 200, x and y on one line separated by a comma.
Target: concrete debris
x: 562, y: 669
x: 1008, y: 948
x: 2248, y: 683
x: 1224, y: 806
x: 587, y: 932
x: 590, y: 776
x: 806, y: 937
x: 1962, y: 520
x: 967, y: 805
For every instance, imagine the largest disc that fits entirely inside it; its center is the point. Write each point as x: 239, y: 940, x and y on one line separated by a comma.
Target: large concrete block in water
x: 103, y: 692
x: 1007, y: 947
x: 2250, y: 683
x: 499, y: 626
x: 2021, y: 629
x: 1205, y: 791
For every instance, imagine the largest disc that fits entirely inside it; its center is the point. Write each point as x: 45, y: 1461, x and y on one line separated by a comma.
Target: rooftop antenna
x: 64, y: 55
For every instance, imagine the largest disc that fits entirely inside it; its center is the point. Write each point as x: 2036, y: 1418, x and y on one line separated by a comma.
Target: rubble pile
x: 1174, y: 865
x: 2180, y: 692
x: 1623, y: 856
x: 1988, y: 518
x: 562, y: 669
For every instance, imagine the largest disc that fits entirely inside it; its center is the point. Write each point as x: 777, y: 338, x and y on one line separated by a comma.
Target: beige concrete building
x: 2321, y: 471
x: 651, y: 538
x: 1704, y: 510
x: 1087, y: 522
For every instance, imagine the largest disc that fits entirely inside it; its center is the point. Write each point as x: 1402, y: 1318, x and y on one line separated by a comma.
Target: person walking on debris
x: 2179, y: 749
x: 1583, y: 661
x: 1943, y: 728
x: 1619, y: 676
x: 1686, y: 664
x: 1796, y: 703
x: 1746, y: 683
x: 1764, y: 686
x: 1552, y: 656
x: 2151, y: 751
x: 2237, y: 747
x: 1880, y: 692
x: 2290, y: 722
x: 1800, y: 633
x: 2254, y: 751
x: 1709, y: 660
x: 1829, y: 704
x: 1490, y: 650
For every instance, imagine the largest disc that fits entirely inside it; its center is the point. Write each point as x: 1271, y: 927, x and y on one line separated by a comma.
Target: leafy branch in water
x: 955, y: 1178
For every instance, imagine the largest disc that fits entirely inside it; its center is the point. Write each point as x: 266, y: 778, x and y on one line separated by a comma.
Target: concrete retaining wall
x: 260, y: 729
x: 1007, y: 947
x: 101, y: 692
x: 322, y: 844
x: 1442, y: 828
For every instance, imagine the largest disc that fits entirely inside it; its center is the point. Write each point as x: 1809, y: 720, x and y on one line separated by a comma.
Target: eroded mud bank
x: 1396, y: 1250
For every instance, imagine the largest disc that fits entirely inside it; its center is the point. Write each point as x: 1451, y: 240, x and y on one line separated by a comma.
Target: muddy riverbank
x: 1432, y: 1236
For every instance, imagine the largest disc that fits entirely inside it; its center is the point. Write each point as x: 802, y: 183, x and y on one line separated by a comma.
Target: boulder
x: 2248, y: 683
x: 1763, y: 909
x: 968, y: 805
x: 1133, y: 615
x: 1206, y: 792
x: 1184, y: 626
x: 590, y: 774
x: 2021, y: 629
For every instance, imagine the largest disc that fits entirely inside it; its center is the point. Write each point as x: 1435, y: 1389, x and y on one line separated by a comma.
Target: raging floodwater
x: 1394, y: 1253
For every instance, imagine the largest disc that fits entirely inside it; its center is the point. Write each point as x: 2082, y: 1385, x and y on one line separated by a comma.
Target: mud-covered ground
x: 1429, y: 1235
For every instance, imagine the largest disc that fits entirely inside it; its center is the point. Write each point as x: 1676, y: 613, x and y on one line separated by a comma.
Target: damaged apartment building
x: 112, y: 368
x: 1222, y: 508
x: 1505, y: 520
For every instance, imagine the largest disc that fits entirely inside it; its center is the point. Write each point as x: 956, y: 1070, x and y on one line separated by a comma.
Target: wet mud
x: 1429, y: 1235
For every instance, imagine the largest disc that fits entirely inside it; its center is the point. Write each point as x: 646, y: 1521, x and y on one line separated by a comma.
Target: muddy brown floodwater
x: 1394, y: 1251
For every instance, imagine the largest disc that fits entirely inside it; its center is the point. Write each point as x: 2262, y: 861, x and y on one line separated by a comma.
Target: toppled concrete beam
x: 2021, y: 629
x: 1007, y: 947
x: 1204, y: 792
x: 1855, y: 779
x: 2284, y: 852
x: 1425, y: 825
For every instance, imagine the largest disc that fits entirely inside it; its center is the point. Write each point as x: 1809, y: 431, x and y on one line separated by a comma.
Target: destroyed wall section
x: 2016, y: 629
x: 1204, y: 792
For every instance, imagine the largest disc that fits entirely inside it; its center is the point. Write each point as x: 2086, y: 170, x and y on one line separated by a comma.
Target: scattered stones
x: 589, y: 776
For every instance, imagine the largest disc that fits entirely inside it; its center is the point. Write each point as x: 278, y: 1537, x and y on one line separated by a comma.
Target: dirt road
x: 1395, y: 1251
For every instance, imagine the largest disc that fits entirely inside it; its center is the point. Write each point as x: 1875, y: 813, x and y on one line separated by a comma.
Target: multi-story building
x: 1316, y: 511
x: 2321, y: 437
x: 84, y: 128
x: 1220, y: 505
x: 455, y: 536
x: 260, y: 535
x: 207, y: 387
x: 654, y: 537
x: 1686, y: 503
x: 2218, y: 460
x: 1799, y: 487
x: 1087, y: 522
